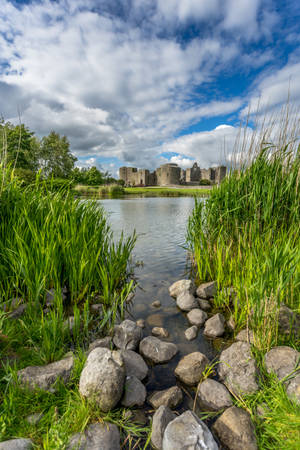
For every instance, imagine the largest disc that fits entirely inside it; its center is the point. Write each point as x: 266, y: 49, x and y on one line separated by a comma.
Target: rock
x: 97, y: 308
x: 156, y: 304
x: 214, y: 327
x: 238, y: 369
x: 160, y: 332
x: 235, y: 429
x: 160, y: 421
x: 171, y: 397
x: 102, y: 377
x: 231, y: 323
x: 18, y: 312
x: 105, y: 342
x: 34, y: 419
x: 155, y: 320
x: 134, y: 392
x: 213, y: 396
x: 191, y: 333
x: 51, y: 294
x: 190, y: 368
x: 293, y: 389
x: 281, y: 361
x: 188, y: 432
x: 181, y: 286
x: 44, y: 377
x: 104, y: 436
x: 157, y: 351
x: 245, y: 336
x: 186, y: 301
x: 12, y: 303
x: 262, y: 410
x: 204, y: 304
x: 288, y: 322
x: 139, y: 417
x: 16, y: 444
x: 134, y: 364
x: 207, y: 290
x: 197, y: 317
x: 127, y: 335
x: 141, y: 323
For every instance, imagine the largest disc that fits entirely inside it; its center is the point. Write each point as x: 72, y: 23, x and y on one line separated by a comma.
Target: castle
x: 171, y: 174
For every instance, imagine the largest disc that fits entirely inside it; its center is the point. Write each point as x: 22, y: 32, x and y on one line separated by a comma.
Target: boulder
x: 188, y: 432
x: 190, y: 368
x: 127, y: 335
x: 160, y: 421
x: 191, y: 333
x: 160, y: 332
x: 282, y: 361
x: 245, y: 336
x: 102, y: 378
x: 235, y: 429
x: 34, y: 419
x: 16, y: 444
x: 293, y: 389
x: 156, y: 350
x: 207, y: 290
x: 104, y: 436
x: 44, y: 377
x: 134, y: 392
x: 288, y: 322
x: 213, y: 396
x: 141, y: 323
x: 105, y: 342
x: 186, y: 301
x: 237, y: 369
x: 204, y: 304
x: 181, y: 286
x: 134, y: 364
x: 171, y: 397
x: 197, y: 317
x: 215, y: 326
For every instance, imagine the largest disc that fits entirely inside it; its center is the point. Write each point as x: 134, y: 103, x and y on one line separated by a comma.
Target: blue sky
x: 140, y: 82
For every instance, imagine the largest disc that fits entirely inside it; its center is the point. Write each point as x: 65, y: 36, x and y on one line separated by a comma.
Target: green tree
x: 94, y: 176
x: 56, y: 157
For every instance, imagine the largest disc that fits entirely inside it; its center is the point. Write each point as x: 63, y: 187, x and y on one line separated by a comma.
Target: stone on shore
x: 197, y: 317
x: 293, y: 389
x: 215, y: 326
x: 156, y: 350
x: 237, y: 369
x: 127, y: 335
x: 213, y: 396
x: 162, y: 417
x: 44, y: 377
x: 141, y: 323
x: 156, y: 304
x: 171, y: 397
x: 102, y: 378
x: 181, y: 286
x: 134, y: 364
x: 186, y: 301
x: 288, y: 322
x: 190, y: 368
x: 18, y: 312
x: 245, y: 336
x: 16, y: 444
x: 34, y: 419
x: 105, y: 342
x: 134, y: 392
x: 104, y: 436
x: 207, y: 290
x: 160, y: 332
x: 205, y: 305
x: 235, y: 429
x: 282, y: 361
x: 188, y: 432
x: 191, y: 333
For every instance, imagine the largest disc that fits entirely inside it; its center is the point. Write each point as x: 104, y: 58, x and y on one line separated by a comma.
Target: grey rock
x: 262, y: 410
x: 205, y: 305
x: 245, y: 336
x: 141, y: 323
x: 156, y: 350
x: 156, y: 304
x: 190, y: 368
x: 181, y: 286
x: 171, y: 397
x: 102, y: 378
x: 235, y: 429
x: 105, y: 342
x: 282, y: 361
x: 288, y: 322
x: 160, y: 332
x: 161, y: 418
x: 237, y: 369
x: 97, y: 308
x: 134, y: 392
x: 18, y: 312
x: 215, y: 326
x: 12, y: 303
x: 34, y: 419
x: 186, y: 301
x: 98, y: 436
x: 44, y: 377
x: 213, y: 396
x: 51, y: 294
x: 231, y: 323
x: 134, y: 364
x: 293, y: 388
x: 197, y: 317
x: 191, y: 333
x: 207, y: 290
x: 16, y: 444
x: 127, y: 335
x: 188, y: 432
x: 155, y: 320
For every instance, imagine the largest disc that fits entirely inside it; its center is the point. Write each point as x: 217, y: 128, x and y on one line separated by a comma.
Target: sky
x: 143, y: 82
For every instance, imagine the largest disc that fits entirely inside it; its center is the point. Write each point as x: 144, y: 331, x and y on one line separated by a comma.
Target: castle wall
x: 168, y: 174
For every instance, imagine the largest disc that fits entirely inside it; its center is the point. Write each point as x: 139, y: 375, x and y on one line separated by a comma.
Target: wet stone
x: 134, y: 392
x: 155, y: 320
x: 186, y: 301
x: 215, y: 326
x: 213, y: 396
x: 190, y: 368
x: 127, y: 335
x: 191, y: 333
x: 156, y: 350
x: 141, y: 323
x: 171, y: 397
x: 205, y: 305
x: 134, y: 364
x: 181, y: 286
x: 207, y: 290
x: 156, y: 304
x: 197, y: 317
x: 161, y: 418
x: 160, y: 332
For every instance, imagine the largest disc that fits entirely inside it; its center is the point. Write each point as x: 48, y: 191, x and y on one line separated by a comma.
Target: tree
x: 56, y: 158
x: 94, y: 176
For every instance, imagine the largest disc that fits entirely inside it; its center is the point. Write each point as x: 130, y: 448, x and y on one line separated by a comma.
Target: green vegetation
x: 117, y: 190
x: 246, y: 237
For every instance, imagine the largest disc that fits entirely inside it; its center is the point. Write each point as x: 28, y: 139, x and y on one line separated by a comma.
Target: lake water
x: 160, y: 224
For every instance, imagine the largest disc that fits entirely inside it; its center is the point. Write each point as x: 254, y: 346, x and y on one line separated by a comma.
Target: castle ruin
x: 171, y: 174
